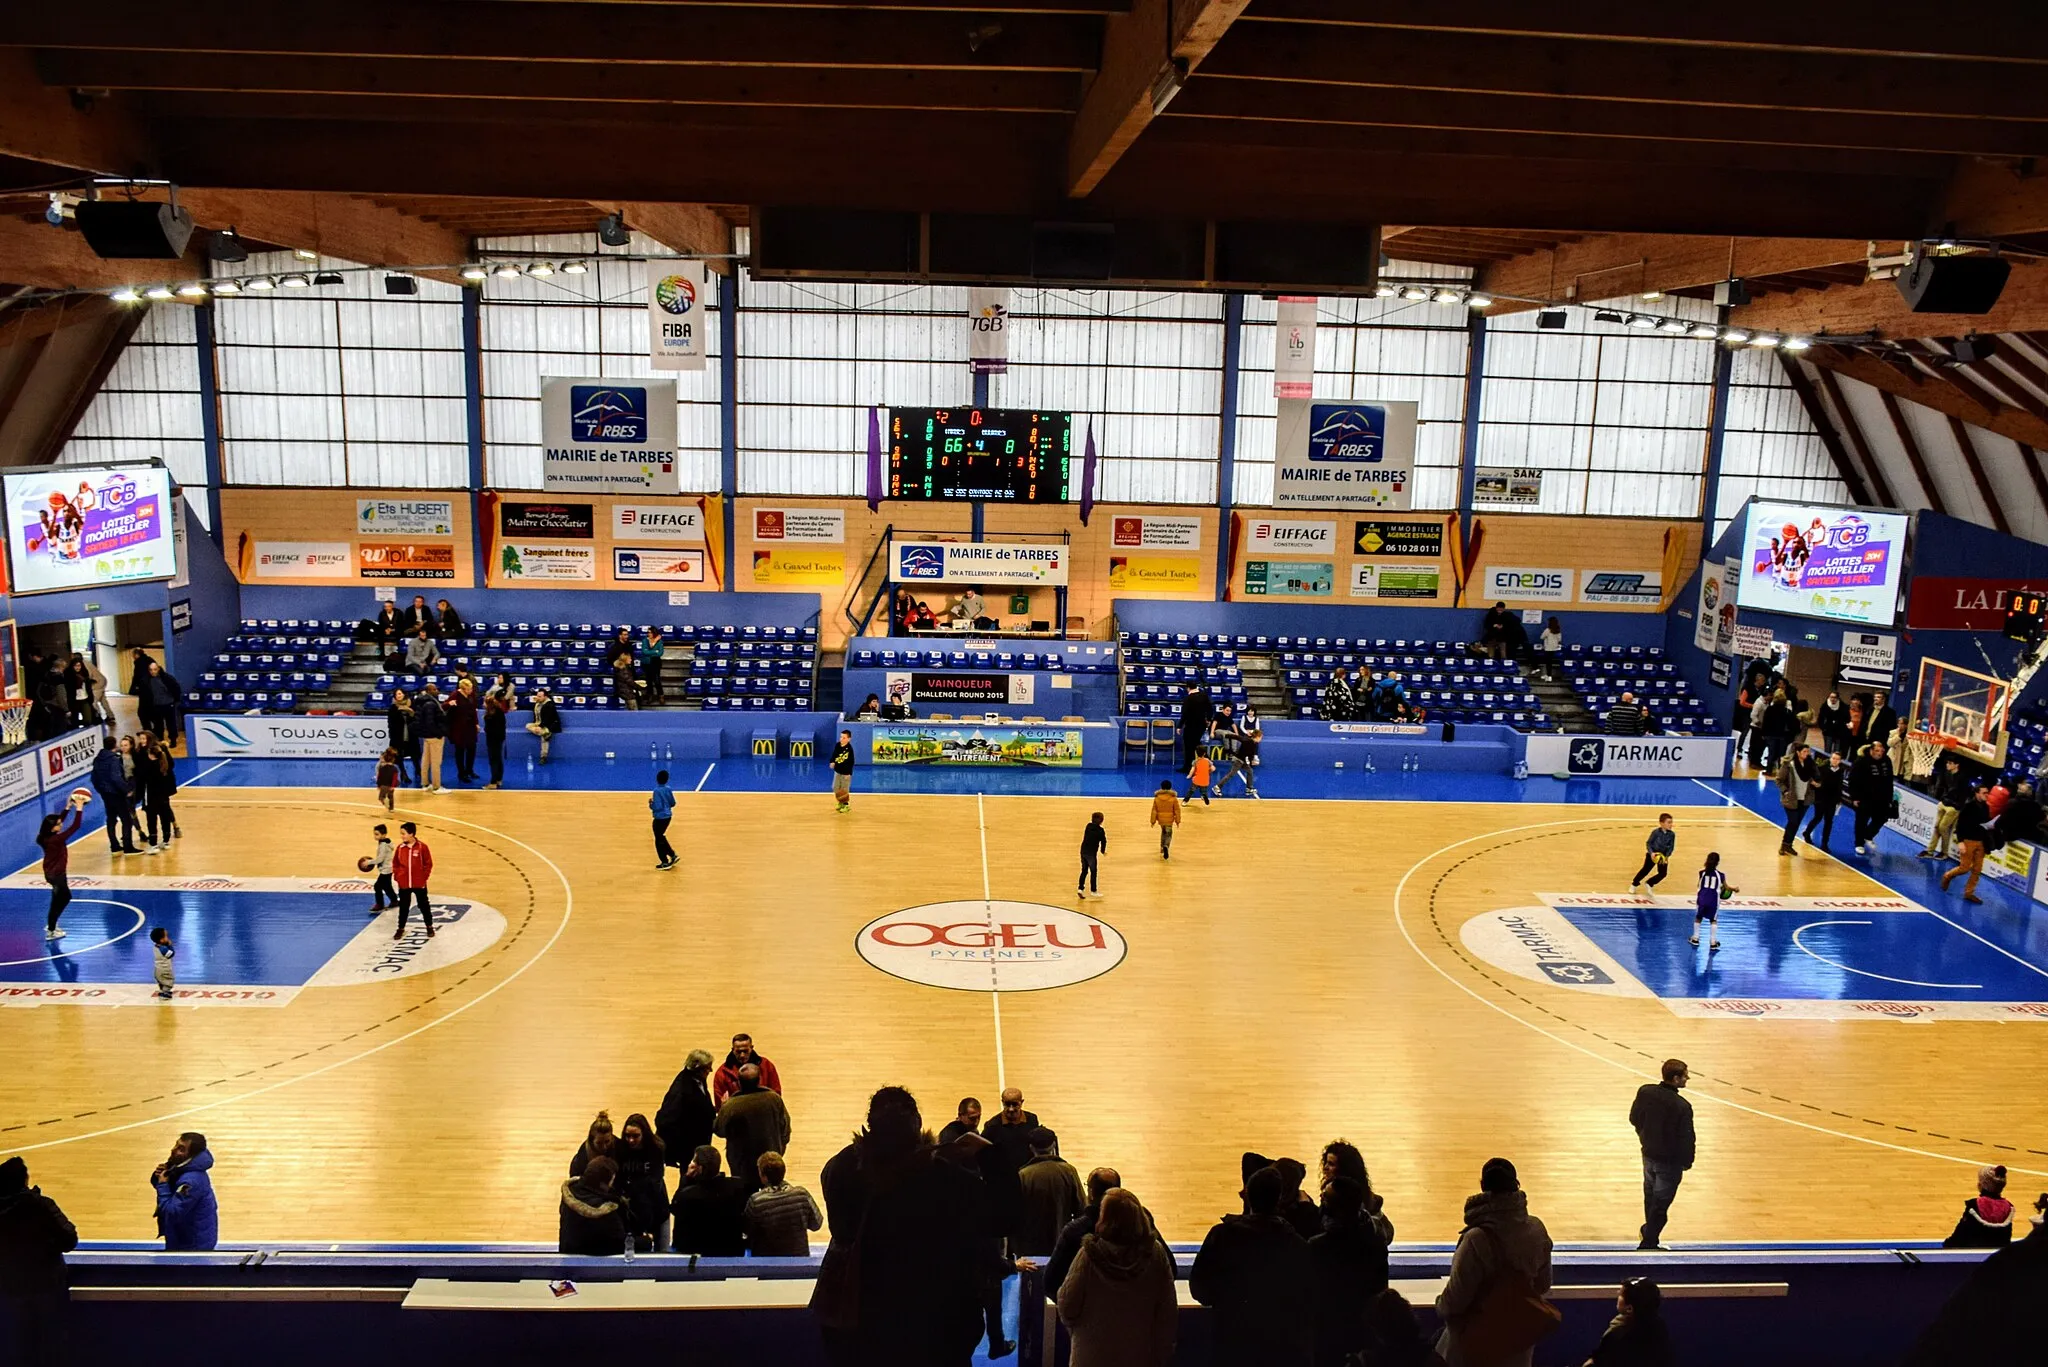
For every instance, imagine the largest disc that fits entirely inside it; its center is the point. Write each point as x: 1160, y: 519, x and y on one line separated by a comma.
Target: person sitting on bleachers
x: 871, y: 710
x: 968, y: 610
x: 1628, y: 718
x: 421, y: 654
x: 448, y: 620
x: 1338, y: 703
x: 417, y: 616
x: 385, y: 629
x: 1388, y: 700
x: 547, y: 721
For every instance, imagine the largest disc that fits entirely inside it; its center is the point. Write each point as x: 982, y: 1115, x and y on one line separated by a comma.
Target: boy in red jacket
x: 412, y: 863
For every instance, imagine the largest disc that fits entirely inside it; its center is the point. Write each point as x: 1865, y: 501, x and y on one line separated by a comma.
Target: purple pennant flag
x: 874, y: 458
x: 1088, y: 474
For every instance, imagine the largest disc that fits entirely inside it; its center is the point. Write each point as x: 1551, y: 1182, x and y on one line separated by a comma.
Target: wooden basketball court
x: 1299, y: 970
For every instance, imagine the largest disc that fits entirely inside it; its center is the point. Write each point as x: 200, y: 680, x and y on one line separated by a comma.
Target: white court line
x: 988, y: 911
x: 1881, y: 977
x: 204, y: 772
x: 1717, y: 792
x: 1402, y: 925
x: 707, y: 777
x: 568, y: 910
x: 56, y: 954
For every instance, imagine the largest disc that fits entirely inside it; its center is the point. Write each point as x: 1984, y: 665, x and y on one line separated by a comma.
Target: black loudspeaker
x: 1953, y: 284
x: 120, y: 229
x: 1450, y: 730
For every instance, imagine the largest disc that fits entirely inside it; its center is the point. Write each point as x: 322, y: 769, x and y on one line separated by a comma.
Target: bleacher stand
x: 2027, y: 744
x: 272, y: 666
x: 1445, y: 680
x: 1158, y: 667
x: 1600, y: 674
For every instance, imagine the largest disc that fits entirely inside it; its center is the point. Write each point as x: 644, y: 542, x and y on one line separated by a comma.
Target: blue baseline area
x: 270, y: 939
x: 1806, y: 954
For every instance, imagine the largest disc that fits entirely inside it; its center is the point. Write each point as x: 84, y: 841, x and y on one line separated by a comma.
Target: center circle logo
x: 992, y: 946
x: 675, y: 294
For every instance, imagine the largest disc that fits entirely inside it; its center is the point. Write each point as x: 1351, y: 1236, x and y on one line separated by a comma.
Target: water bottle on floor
x: 668, y: 753
x: 653, y: 753
x: 629, y: 1246
x: 1368, y: 764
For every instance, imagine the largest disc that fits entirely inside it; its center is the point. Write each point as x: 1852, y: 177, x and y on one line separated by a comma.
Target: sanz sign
x: 1630, y: 756
x: 255, y: 737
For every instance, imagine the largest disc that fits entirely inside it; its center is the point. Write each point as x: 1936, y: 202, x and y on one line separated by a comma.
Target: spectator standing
x: 1245, y: 737
x: 1986, y: 1221
x: 779, y: 1217
x: 498, y: 703
x: 1297, y: 1207
x: 1626, y: 718
x: 110, y: 781
x: 1550, y: 645
x: 726, y: 1080
x: 1052, y: 1196
x: 1973, y: 836
x: 430, y: 719
x: 601, y: 1142
x: 165, y: 696
x: 593, y: 1218
x: 1795, y: 792
x: 1871, y: 794
x: 35, y: 1284
x: 187, y: 1212
x: 901, y: 1279
x: 547, y: 721
x: 842, y: 771
x: 708, y: 1208
x: 78, y: 692
x: 652, y: 651
x: 968, y: 609
x: 687, y: 1112
x: 405, y: 732
x: 1338, y: 702
x: 1166, y: 816
x: 620, y: 647
x: 1662, y: 1118
x: 1829, y: 781
x: 1255, y: 1272
x: 625, y: 687
x: 1101, y: 1182
x: 1636, y: 1336
x: 643, y: 1182
x: 1497, y: 631
x: 1011, y: 1128
x: 156, y: 783
x: 966, y: 1121
x: 1341, y: 1158
x: 1094, y: 840
x: 54, y: 836
x: 461, y: 713
x: 383, y: 892
x: 1196, y: 712
x: 662, y: 803
x: 1501, y: 1244
x: 1350, y: 1261
x: 1883, y: 720
x: 752, y: 1121
x: 1118, y: 1302
x: 2021, y: 819
x: 1832, y: 717
x: 412, y: 864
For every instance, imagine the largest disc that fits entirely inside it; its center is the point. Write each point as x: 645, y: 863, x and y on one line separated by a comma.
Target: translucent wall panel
x: 340, y: 384
x: 1366, y: 349
x: 591, y: 324
x: 149, y: 405
x: 1771, y: 450
x: 1615, y: 416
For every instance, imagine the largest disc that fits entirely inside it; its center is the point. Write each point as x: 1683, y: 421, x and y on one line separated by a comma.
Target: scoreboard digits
x: 1000, y: 454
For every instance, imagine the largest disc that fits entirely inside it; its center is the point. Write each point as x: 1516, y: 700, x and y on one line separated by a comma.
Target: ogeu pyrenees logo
x: 992, y: 946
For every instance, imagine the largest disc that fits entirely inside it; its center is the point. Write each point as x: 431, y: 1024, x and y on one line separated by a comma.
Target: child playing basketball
x: 387, y: 779
x: 166, y: 975
x: 1713, y: 887
x: 385, y: 887
x: 1201, y: 775
x: 1656, y: 853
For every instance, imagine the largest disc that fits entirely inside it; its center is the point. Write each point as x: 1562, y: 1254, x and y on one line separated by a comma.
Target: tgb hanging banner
x: 988, y: 331
x: 677, y: 301
x: 608, y: 436
x: 1294, y: 348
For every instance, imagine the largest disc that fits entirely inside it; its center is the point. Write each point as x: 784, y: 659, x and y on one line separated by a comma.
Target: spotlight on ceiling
x: 1449, y: 297
x: 1764, y: 339
x: 305, y: 254
x: 573, y: 268
x: 1673, y: 325
x: 1969, y: 350
x: 1652, y: 296
x: 613, y: 232
x: 262, y: 283
x: 327, y: 278
x: 125, y: 295
x: 401, y: 284
x: 1796, y: 344
x: 540, y: 268
x: 1479, y: 301
x: 227, y: 287
x: 1608, y: 316
x: 158, y: 292
x: 226, y: 245
x: 1706, y: 332
x: 1641, y: 320
x: 192, y: 290
x: 1552, y: 320
x: 1734, y: 336
x: 293, y: 282
x: 474, y: 272
x: 506, y: 271
x: 1415, y: 294
x: 1384, y: 292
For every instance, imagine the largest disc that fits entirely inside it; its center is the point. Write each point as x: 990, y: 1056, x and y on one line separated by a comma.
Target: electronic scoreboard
x: 999, y: 454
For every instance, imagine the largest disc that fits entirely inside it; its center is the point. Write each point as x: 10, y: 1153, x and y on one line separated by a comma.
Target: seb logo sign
x: 991, y: 946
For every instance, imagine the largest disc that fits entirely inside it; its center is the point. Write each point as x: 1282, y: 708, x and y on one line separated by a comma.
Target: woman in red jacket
x: 412, y: 863
x: 55, y: 838
x: 462, y: 730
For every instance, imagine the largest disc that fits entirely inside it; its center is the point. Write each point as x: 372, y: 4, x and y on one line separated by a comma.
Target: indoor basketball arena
x: 1059, y: 681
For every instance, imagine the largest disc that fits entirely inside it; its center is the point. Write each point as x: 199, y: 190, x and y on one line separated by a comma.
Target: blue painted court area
x: 273, y: 939
x: 1807, y: 954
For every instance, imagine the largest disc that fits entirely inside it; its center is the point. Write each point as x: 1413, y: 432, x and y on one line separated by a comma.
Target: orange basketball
x: 365, y: 864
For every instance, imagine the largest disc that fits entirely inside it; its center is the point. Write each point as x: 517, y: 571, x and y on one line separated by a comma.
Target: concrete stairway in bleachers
x: 1560, y: 702
x: 1262, y: 685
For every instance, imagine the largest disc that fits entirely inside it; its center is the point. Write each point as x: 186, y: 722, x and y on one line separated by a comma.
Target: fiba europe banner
x: 978, y: 562
x: 676, y: 305
x: 608, y: 436
x: 1344, y: 455
x: 290, y: 737
x: 1630, y: 756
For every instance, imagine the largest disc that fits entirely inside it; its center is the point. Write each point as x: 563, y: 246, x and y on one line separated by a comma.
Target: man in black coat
x: 1663, y: 1123
x: 1101, y: 1182
x: 709, y: 1208
x: 34, y: 1282
x: 1350, y: 1261
x: 1196, y: 710
x: 686, y: 1115
x: 1255, y: 1272
x: 1870, y: 790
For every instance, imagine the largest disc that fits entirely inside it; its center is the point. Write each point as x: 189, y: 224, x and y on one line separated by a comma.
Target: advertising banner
x: 20, y: 778
x: 303, y: 560
x: 1157, y: 533
x: 404, y: 517
x: 667, y: 566
x: 1950, y: 604
x: 780, y: 565
x: 1266, y: 535
x: 1344, y: 455
x: 527, y: 560
x: 1509, y: 583
x: 1753, y: 643
x: 1642, y: 588
x: 988, y: 330
x: 67, y: 759
x: 1044, y: 747
x: 1382, y: 537
x: 678, y: 301
x: 79, y: 527
x: 1506, y: 486
x: 657, y: 522
x: 290, y: 737
x: 1653, y: 756
x: 979, y: 562
x: 382, y: 560
x: 1869, y: 658
x: 1288, y: 578
x: 1824, y: 562
x: 1394, y: 581
x: 570, y: 521
x: 1155, y: 573
x: 903, y: 687
x: 1731, y: 585
x: 1294, y: 347
x: 608, y: 436
x: 825, y: 526
x: 1706, y: 622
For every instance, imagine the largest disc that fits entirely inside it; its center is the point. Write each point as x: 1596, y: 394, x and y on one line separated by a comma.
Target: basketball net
x: 13, y: 723
x: 1923, y: 749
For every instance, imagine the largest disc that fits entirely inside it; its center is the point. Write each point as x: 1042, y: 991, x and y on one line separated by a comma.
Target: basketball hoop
x: 13, y: 723
x: 1923, y: 750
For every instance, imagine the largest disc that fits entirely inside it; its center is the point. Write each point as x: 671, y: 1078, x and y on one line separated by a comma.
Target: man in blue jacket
x: 186, y: 1213
x: 110, y: 781
x: 662, y: 803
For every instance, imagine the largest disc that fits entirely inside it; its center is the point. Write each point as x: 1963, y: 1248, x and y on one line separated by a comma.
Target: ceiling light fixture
x: 1652, y: 296
x: 507, y: 271
x: 304, y: 255
x: 1796, y: 344
x: 474, y: 272
x: 1673, y: 325
x: 613, y: 232
x: 1479, y: 301
x: 1642, y: 320
x: 1415, y: 293
x: 158, y: 291
x: 540, y: 268
x: 1449, y: 297
x: 1608, y: 316
x: 126, y: 295
x: 1764, y: 339
x: 1734, y: 336
x: 1705, y: 331
x: 1384, y: 292
x: 262, y: 283
x: 573, y: 268
x: 294, y: 282
x: 227, y: 287
x: 194, y: 290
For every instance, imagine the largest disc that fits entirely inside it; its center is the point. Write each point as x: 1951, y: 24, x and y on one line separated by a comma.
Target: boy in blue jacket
x: 662, y: 803
x: 186, y: 1213
x: 1656, y: 854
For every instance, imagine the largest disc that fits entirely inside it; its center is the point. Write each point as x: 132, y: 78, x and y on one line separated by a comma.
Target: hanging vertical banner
x: 988, y: 331
x: 1724, y: 629
x: 675, y: 317
x: 1706, y: 626
x: 1294, y: 348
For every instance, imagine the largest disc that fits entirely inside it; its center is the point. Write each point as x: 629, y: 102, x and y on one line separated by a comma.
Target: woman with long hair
x: 462, y: 729
x: 157, y: 783
x: 643, y: 1182
x: 54, y: 835
x: 1341, y: 1158
x: 601, y: 1142
x: 1118, y: 1298
x: 498, y: 704
x: 405, y: 735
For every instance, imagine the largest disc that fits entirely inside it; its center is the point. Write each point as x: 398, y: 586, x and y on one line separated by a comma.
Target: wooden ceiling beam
x: 1904, y: 431
x: 2028, y: 380
x: 691, y: 229
x: 58, y: 259
x: 1852, y: 433
x: 555, y: 31
x: 1830, y: 440
x: 350, y: 227
x: 1158, y: 40
x: 1938, y: 395
x: 118, y: 333
x: 45, y: 125
x: 1960, y: 430
x: 1606, y: 267
x: 1878, y: 307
